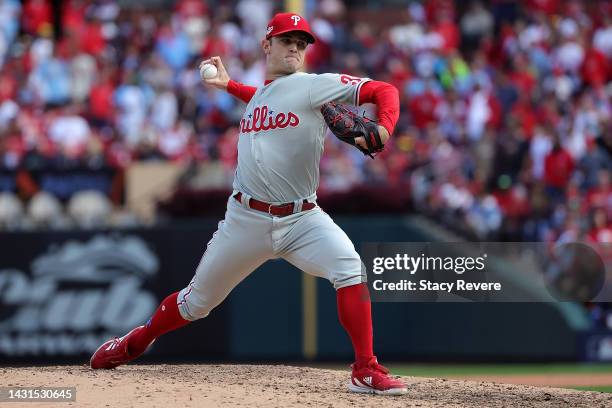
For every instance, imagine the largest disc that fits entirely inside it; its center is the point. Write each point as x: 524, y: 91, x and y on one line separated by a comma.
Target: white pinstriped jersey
x: 282, y: 132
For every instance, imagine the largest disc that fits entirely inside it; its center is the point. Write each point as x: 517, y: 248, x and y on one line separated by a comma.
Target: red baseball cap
x: 286, y: 22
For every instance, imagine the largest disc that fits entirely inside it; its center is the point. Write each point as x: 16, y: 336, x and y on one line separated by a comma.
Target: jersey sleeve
x: 386, y: 98
x: 240, y: 90
x: 335, y: 88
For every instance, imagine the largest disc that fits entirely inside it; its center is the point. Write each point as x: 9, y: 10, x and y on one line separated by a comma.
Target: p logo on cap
x: 286, y: 22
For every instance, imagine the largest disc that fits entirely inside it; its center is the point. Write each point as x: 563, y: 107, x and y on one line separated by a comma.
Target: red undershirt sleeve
x: 386, y: 98
x: 240, y: 90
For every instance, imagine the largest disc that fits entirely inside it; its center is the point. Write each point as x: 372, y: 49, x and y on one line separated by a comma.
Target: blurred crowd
x: 505, y: 131
x: 513, y: 112
x: 514, y: 117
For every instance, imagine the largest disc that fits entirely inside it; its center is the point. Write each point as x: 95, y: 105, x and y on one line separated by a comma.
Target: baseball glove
x: 347, y: 126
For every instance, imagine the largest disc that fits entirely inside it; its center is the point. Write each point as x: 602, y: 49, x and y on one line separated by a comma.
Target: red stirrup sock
x: 166, y: 318
x: 355, y: 315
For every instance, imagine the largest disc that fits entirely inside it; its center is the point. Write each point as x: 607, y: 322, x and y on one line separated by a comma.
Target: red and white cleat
x: 114, y: 352
x: 373, y: 378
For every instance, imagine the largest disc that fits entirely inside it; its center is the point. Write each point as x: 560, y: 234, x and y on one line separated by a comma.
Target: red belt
x: 281, y: 210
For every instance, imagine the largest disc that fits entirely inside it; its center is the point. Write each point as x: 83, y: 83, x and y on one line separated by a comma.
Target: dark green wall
x: 266, y: 313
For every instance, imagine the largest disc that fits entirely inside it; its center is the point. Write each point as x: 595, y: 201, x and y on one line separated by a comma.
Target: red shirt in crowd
x: 8, y: 86
x: 595, y: 68
x: 215, y: 45
x: 423, y: 109
x: 73, y: 16
x: 495, y: 115
x: 398, y: 76
x: 449, y: 31
x: 558, y: 167
x: 546, y: 6
x: 101, y: 101
x: 92, y: 39
x: 318, y: 54
x: 435, y: 8
x: 601, y: 235
x: 36, y: 14
x: 191, y: 8
x: 600, y: 197
x: 228, y: 154
x: 524, y: 81
x: 526, y: 117
x: 512, y: 203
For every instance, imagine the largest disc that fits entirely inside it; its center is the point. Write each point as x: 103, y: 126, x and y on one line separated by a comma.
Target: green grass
x: 447, y: 370
x: 603, y: 388
x: 441, y: 370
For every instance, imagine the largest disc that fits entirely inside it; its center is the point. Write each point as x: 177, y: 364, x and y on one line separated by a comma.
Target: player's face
x: 285, y: 53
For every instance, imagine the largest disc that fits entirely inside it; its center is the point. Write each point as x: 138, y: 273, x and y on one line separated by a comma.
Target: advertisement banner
x: 62, y: 294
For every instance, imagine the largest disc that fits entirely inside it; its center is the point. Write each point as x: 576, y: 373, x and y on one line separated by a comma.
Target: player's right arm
x: 225, y: 83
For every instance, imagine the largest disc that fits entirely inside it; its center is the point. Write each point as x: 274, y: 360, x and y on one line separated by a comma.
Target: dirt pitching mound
x: 178, y: 386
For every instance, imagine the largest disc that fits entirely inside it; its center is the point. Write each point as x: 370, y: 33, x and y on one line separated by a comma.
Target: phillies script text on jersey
x: 261, y: 120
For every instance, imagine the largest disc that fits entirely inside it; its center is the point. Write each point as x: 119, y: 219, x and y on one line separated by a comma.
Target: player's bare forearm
x: 222, y: 78
x: 384, y: 136
x: 384, y: 133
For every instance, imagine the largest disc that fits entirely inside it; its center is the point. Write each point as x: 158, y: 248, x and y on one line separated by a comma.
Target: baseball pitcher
x: 272, y: 212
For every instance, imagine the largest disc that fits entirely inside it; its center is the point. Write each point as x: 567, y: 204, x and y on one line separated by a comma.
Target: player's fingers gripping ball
x: 347, y: 126
x: 208, y: 71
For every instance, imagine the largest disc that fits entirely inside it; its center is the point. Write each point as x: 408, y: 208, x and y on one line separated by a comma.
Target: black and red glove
x: 347, y: 126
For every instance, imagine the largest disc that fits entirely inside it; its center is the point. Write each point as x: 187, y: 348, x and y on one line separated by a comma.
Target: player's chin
x: 292, y: 66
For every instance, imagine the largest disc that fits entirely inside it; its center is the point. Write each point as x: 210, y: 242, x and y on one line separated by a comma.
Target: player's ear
x: 265, y: 45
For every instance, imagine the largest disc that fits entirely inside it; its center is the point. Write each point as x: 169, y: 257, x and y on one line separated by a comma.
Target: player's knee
x: 192, y: 306
x: 351, y: 272
x: 192, y: 313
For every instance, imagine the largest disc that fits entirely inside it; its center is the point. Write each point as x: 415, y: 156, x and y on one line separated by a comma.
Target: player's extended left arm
x: 386, y: 98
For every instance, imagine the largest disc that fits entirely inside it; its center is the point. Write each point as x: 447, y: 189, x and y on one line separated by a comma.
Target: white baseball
x: 208, y: 71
